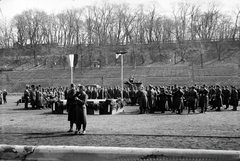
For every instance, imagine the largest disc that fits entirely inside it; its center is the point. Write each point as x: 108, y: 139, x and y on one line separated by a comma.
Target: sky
x: 9, y: 8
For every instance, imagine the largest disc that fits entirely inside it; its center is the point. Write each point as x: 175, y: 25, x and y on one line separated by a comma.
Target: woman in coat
x: 81, y: 110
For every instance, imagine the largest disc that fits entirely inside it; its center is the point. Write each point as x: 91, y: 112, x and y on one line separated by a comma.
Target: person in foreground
x: 81, y: 110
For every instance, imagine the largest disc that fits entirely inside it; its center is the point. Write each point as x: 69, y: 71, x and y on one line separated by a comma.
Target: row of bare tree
x: 115, y: 24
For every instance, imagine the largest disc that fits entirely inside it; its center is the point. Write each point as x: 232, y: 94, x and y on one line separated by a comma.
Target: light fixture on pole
x: 71, y: 58
x: 121, y: 53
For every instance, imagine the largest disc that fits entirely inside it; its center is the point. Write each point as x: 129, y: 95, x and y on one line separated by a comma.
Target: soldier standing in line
x: 71, y: 106
x: 192, y: 96
x: 94, y: 94
x: 169, y: 98
x: 162, y: 99
x: 4, y: 96
x: 132, y: 95
x: 175, y: 104
x: 142, y: 99
x: 234, y: 98
x: 203, y: 98
x: 151, y: 94
x: 89, y: 92
x: 26, y: 96
x: 218, y: 99
x: 33, y: 96
x: 211, y: 96
x: 226, y: 96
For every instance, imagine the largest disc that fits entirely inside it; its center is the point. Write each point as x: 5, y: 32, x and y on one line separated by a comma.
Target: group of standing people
x: 41, y: 98
x: 3, y: 96
x: 76, y: 107
x: 176, y: 98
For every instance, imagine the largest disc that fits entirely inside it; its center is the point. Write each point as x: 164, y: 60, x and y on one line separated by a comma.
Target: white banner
x: 71, y: 58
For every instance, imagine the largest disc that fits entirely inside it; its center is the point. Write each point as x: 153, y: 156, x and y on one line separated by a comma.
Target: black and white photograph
x: 111, y: 80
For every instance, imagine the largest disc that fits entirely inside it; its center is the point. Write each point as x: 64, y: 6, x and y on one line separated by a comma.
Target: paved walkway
x: 213, y: 130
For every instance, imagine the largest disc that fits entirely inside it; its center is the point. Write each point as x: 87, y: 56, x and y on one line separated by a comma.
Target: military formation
x: 176, y: 98
x: 149, y: 98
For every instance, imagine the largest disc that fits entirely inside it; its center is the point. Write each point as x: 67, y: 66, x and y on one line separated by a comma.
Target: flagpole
x: 71, y: 75
x: 122, y: 76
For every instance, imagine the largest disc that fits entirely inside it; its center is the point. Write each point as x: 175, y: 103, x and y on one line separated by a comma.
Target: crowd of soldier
x: 150, y: 98
x: 175, y: 99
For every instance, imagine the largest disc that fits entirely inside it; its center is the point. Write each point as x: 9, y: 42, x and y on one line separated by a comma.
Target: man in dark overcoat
x: 162, y: 99
x: 71, y: 105
x: 192, y: 96
x: 142, y: 99
x: 33, y: 96
x: 81, y: 110
x: 26, y: 96
x: 203, y: 99
x: 218, y: 98
x: 226, y: 96
x: 234, y: 98
x: 151, y: 94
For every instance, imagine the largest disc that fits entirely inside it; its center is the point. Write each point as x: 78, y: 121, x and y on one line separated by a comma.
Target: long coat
x: 71, y: 105
x: 234, y: 98
x: 142, y: 99
x: 81, y: 109
x: 218, y: 98
x: 203, y: 98
x: 178, y: 101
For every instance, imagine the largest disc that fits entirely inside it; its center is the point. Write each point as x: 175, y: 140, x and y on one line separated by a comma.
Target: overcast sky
x: 9, y: 8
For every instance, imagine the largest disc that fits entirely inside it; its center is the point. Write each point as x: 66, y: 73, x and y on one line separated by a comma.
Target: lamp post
x: 121, y: 53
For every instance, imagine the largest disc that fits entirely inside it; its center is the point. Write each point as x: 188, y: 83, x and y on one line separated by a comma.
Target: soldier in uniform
x: 132, y: 95
x: 4, y: 93
x: 218, y: 98
x: 234, y: 98
x: 151, y: 94
x: 33, y: 96
x: 226, y: 96
x: 142, y: 99
x: 71, y: 105
x: 81, y: 110
x: 203, y: 99
x: 94, y: 94
x: 162, y: 99
x: 26, y: 96
x: 192, y: 96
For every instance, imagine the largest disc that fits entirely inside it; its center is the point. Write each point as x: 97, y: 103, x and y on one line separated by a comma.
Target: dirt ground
x: 212, y: 130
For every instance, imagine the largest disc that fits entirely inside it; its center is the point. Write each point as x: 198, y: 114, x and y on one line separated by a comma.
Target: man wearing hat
x: 71, y: 106
x: 142, y: 99
x: 26, y: 96
x: 151, y: 98
x: 33, y: 96
x: 226, y: 96
x: 4, y: 93
x: 218, y: 98
x: 234, y: 98
x: 192, y: 96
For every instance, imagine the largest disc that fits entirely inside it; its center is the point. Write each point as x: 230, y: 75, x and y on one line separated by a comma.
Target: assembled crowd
x: 176, y: 98
x: 150, y: 98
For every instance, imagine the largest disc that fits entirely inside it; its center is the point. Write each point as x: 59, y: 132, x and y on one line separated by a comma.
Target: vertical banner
x: 71, y: 58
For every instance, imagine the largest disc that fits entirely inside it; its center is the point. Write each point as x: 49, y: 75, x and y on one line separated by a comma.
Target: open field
x: 213, y: 130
